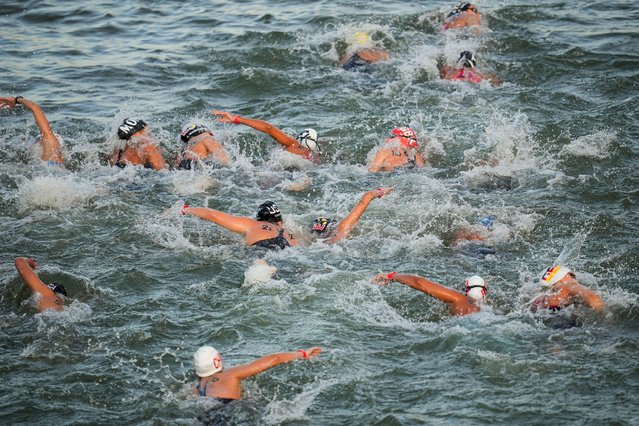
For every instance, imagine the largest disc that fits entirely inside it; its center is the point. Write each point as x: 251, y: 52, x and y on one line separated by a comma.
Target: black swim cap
x: 58, y: 288
x: 193, y: 130
x: 129, y: 127
x: 322, y: 225
x: 467, y: 59
x: 461, y: 7
x: 269, y: 212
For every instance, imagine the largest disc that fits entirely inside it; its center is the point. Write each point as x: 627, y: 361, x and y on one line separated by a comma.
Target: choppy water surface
x: 150, y: 286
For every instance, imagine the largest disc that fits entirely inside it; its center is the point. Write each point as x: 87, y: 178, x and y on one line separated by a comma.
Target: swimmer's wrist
x: 18, y: 98
x: 236, y: 120
x: 391, y: 276
x: 303, y: 353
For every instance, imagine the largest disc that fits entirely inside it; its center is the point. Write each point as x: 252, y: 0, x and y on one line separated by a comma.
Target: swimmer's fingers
x: 223, y: 116
x: 381, y: 279
x: 7, y: 103
x: 384, y: 191
x: 313, y: 352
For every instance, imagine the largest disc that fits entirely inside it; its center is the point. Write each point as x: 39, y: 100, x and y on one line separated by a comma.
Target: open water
x: 149, y: 287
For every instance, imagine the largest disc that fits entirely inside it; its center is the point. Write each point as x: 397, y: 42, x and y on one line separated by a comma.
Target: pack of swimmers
x: 266, y: 230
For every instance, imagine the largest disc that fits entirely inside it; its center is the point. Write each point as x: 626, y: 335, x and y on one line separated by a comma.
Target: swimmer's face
x: 472, y: 9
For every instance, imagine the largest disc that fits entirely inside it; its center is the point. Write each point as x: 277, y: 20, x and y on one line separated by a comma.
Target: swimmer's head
x: 322, y: 225
x: 58, y: 288
x: 308, y: 139
x: 462, y: 7
x: 406, y: 136
x: 487, y: 222
x: 207, y: 361
x: 129, y: 127
x: 475, y: 287
x: 269, y: 212
x: 360, y: 38
x: 553, y: 275
x: 192, y: 130
x: 467, y: 60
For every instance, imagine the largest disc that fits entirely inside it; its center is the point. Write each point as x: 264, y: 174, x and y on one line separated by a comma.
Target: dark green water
x: 149, y: 286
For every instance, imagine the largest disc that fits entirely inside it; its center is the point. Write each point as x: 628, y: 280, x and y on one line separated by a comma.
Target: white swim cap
x: 476, y: 287
x: 553, y: 275
x: 308, y: 138
x: 207, y: 361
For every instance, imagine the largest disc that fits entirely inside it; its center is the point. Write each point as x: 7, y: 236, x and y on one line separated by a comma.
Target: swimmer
x: 362, y: 53
x: 50, y: 142
x: 466, y: 303
x: 479, y: 232
x: 564, y: 290
x: 140, y: 148
x: 48, y: 294
x: 304, y: 144
x: 466, y: 71
x: 265, y: 230
x: 226, y: 385
x: 401, y: 151
x: 199, y: 145
x: 461, y: 16
x: 333, y: 231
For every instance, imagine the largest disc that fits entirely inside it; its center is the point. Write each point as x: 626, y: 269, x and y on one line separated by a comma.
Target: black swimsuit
x: 120, y: 164
x: 355, y: 62
x: 202, y: 392
x: 275, y: 243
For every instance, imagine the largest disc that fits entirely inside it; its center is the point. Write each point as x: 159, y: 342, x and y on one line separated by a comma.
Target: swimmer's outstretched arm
x: 25, y: 268
x: 348, y: 223
x: 238, y: 224
x: 424, y: 285
x: 48, y: 140
x: 252, y: 368
x: 262, y: 126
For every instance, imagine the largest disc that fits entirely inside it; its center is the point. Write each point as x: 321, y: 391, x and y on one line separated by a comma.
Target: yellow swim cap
x: 361, y: 38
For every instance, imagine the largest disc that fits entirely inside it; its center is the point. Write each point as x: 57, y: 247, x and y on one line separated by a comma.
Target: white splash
x: 55, y: 192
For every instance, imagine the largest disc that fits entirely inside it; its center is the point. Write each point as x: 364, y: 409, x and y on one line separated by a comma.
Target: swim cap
x: 322, y: 225
x: 269, y: 212
x: 361, y: 38
x: 553, y: 275
x: 207, y: 361
x: 192, y: 130
x: 476, y: 287
x: 406, y: 135
x: 129, y: 127
x: 467, y: 59
x: 308, y: 139
x: 58, y: 288
x: 461, y: 7
x: 487, y: 222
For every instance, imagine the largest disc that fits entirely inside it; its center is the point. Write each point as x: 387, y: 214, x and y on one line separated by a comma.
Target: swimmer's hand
x: 7, y: 103
x: 224, y: 116
x: 380, y: 192
x: 381, y: 279
x: 309, y: 353
x: 32, y: 263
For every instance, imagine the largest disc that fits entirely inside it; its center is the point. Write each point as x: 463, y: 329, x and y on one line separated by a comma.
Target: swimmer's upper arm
x: 378, y: 161
x: 262, y: 364
x: 30, y: 278
x: 154, y: 157
x: 233, y: 223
